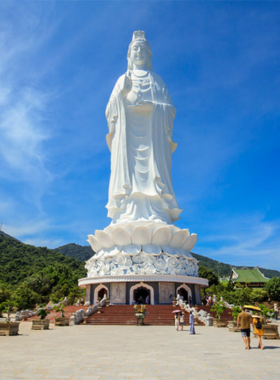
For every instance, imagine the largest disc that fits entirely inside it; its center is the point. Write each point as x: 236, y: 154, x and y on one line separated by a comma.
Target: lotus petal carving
x: 190, y: 242
x: 94, y: 243
x: 131, y: 249
x: 104, y: 239
x: 151, y: 249
x: 121, y: 236
x: 141, y: 235
x: 170, y: 250
x: 161, y: 236
x: 178, y: 239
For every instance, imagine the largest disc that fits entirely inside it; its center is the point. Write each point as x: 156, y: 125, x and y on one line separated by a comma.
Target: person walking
x: 182, y: 321
x: 177, y: 318
x: 276, y: 311
x: 243, y: 320
x: 258, y: 329
x: 191, y: 321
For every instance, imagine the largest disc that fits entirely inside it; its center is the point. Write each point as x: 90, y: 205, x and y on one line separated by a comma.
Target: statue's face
x: 139, y: 54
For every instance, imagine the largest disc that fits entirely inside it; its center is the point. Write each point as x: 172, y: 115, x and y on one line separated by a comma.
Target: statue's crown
x: 139, y: 35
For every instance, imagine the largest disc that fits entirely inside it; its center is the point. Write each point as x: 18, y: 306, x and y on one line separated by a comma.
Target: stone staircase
x: 124, y: 315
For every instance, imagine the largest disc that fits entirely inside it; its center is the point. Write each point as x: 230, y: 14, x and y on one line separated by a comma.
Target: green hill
x: 79, y: 252
x: 31, y: 275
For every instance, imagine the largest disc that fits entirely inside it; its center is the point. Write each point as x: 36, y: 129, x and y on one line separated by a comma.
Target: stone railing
x: 202, y: 315
x: 81, y: 315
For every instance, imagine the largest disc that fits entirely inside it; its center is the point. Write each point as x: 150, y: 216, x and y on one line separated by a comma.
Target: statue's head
x: 139, y: 51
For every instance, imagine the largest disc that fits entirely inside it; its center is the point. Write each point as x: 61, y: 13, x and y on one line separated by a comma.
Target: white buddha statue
x: 140, y: 118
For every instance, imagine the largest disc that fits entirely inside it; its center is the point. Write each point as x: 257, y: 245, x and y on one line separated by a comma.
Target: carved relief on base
x: 165, y: 290
x: 141, y: 263
x: 118, y: 291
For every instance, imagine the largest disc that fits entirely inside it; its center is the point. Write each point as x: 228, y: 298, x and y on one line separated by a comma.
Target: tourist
x: 191, y: 321
x: 182, y: 321
x: 147, y: 300
x: 214, y: 299
x: 243, y: 320
x: 276, y: 311
x: 190, y: 300
x: 133, y: 302
x: 258, y: 329
x: 171, y: 298
x: 177, y: 317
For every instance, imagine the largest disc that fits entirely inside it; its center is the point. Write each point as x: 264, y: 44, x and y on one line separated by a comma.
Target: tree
x: 209, y: 274
x: 25, y: 297
x: 273, y: 288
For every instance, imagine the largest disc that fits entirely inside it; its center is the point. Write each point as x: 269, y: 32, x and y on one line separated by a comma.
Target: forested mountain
x: 79, y: 252
x: 224, y: 270
x: 30, y: 275
x: 84, y: 253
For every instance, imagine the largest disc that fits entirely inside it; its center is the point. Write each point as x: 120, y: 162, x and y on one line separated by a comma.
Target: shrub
x: 218, y: 308
x: 273, y: 288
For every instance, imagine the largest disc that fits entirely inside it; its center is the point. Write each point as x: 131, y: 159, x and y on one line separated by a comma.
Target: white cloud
x: 44, y: 242
x: 22, y: 132
x: 28, y: 227
x: 244, y: 240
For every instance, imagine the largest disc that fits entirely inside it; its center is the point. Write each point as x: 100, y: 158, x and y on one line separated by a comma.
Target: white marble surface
x: 141, y: 238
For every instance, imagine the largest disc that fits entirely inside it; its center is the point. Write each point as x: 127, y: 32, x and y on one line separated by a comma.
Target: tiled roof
x: 249, y: 275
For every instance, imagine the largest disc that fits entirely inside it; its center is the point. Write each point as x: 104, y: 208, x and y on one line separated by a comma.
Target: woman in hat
x: 258, y: 329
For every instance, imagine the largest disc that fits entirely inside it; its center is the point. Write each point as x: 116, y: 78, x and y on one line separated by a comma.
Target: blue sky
x: 220, y: 61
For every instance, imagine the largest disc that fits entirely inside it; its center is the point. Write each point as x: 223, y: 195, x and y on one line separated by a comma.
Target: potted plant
x: 107, y: 302
x: 140, y: 313
x: 236, y: 310
x: 218, y: 309
x: 6, y: 326
x: 61, y: 321
x: 42, y: 323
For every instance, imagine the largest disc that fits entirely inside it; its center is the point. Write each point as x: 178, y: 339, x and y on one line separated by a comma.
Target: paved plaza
x: 134, y: 352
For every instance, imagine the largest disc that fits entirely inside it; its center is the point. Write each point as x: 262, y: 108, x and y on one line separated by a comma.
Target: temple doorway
x: 142, y: 295
x: 102, y: 292
x: 184, y: 293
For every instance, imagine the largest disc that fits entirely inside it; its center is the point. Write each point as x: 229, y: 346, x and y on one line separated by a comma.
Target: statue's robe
x: 141, y: 147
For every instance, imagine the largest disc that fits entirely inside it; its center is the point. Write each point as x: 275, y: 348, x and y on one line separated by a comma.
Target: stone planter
x: 9, y: 328
x: 61, y: 321
x: 220, y: 322
x: 270, y: 332
x: 140, y: 318
x: 232, y: 325
x: 40, y: 324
